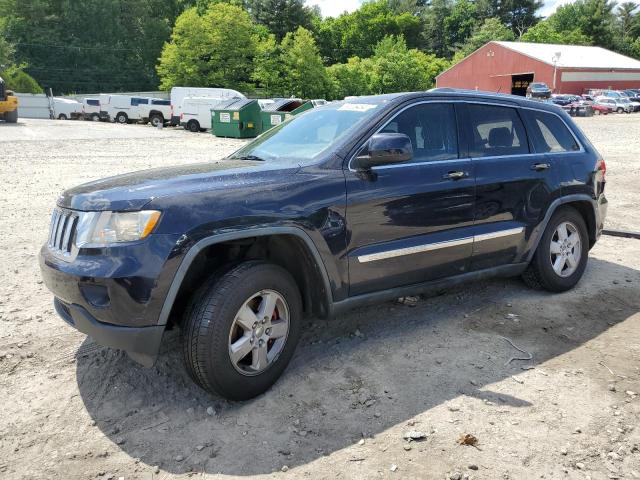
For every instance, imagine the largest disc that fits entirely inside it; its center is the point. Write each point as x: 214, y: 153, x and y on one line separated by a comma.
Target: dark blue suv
x: 352, y: 203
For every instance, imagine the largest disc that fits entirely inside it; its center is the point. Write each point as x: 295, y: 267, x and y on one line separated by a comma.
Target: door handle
x: 540, y: 166
x: 455, y: 175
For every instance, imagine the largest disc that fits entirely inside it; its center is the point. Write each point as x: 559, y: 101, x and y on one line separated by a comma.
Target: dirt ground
x: 357, y: 384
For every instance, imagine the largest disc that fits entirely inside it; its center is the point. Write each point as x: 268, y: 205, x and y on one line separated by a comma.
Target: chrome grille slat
x: 62, y: 231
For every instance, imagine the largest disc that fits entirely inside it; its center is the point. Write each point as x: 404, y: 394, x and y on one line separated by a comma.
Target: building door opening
x: 519, y: 84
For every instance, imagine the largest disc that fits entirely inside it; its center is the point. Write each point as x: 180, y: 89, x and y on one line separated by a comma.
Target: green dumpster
x: 277, y: 112
x: 236, y: 118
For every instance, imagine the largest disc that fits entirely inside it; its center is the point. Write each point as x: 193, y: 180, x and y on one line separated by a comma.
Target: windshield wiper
x: 250, y: 157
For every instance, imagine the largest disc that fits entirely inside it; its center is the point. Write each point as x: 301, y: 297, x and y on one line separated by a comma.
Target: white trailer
x: 121, y: 108
x: 65, y: 109
x: 195, y: 113
x: 178, y: 94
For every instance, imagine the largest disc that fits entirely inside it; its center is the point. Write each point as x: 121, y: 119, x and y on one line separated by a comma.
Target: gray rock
x: 178, y: 458
x: 284, y: 468
x: 413, y: 435
x: 455, y: 476
x: 473, y: 466
x: 211, y: 412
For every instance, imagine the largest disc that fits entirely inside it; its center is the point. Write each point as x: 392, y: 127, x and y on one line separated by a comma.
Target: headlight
x: 106, y: 228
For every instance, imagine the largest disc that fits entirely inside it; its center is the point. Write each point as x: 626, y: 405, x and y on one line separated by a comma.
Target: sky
x: 333, y: 8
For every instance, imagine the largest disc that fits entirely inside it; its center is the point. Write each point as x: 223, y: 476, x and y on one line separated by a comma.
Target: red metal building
x: 509, y: 67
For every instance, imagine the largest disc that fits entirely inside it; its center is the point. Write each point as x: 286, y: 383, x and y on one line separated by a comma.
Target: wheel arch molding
x: 323, y: 295
x: 583, y: 203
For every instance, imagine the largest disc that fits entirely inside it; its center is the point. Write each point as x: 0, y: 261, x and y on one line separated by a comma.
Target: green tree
x: 459, y: 24
x: 435, y: 34
x: 544, y: 32
x: 269, y: 72
x: 215, y: 49
x: 491, y: 29
x: 6, y: 53
x: 304, y: 73
x: 351, y: 78
x: 20, y: 81
x: 89, y: 45
x: 594, y: 18
x: 396, y: 68
x: 357, y: 33
x: 627, y: 17
x: 520, y: 15
x: 281, y: 16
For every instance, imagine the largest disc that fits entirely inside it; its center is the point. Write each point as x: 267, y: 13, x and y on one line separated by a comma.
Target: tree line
x: 279, y: 47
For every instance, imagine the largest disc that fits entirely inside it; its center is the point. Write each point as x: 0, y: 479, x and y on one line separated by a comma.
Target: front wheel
x: 62, y: 116
x: 620, y: 110
x: 193, y: 126
x: 561, y: 256
x: 95, y: 117
x: 156, y: 120
x: 241, y: 330
x: 122, y: 118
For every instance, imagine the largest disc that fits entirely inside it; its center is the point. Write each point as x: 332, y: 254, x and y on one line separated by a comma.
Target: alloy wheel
x: 259, y: 332
x: 565, y: 250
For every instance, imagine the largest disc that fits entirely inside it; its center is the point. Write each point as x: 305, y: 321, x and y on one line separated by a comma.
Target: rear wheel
x: 11, y: 117
x: 95, y: 117
x: 620, y: 110
x: 193, y: 126
x: 241, y: 330
x: 156, y: 120
x: 62, y: 116
x: 122, y: 118
x: 561, y: 256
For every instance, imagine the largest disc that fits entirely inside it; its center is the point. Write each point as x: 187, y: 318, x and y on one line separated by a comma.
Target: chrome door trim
x: 498, y: 234
x: 427, y: 247
x: 399, y: 252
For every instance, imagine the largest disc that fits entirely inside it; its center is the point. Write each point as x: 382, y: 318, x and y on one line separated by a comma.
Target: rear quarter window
x: 550, y: 134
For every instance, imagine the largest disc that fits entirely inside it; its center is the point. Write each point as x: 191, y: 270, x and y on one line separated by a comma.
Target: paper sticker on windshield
x: 357, y: 107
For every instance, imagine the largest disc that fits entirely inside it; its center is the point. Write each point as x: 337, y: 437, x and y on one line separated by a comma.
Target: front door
x: 515, y: 183
x: 411, y: 222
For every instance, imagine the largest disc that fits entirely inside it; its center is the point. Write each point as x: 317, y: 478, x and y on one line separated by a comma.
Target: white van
x: 157, y: 111
x: 91, y: 109
x: 178, y: 94
x: 121, y: 108
x: 195, y: 113
x: 65, y: 109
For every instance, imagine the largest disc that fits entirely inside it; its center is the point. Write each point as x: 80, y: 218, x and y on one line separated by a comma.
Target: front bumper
x: 140, y: 343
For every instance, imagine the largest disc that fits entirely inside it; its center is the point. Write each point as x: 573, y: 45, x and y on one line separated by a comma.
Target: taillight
x: 181, y: 116
x: 602, y: 166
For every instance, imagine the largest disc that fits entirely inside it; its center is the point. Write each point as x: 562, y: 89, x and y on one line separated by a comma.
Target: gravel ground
x: 357, y: 384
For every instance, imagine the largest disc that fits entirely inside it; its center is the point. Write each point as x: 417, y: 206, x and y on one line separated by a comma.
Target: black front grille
x: 63, y: 230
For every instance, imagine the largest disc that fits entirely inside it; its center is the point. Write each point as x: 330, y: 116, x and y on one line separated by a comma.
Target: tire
x: 11, y: 117
x: 122, y: 118
x: 62, y: 116
x: 156, y: 120
x: 620, y: 110
x: 212, y: 324
x: 193, y: 126
x: 541, y: 273
x: 95, y: 117
x: 596, y: 112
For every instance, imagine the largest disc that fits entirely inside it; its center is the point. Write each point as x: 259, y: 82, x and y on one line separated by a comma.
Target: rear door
x: 409, y: 223
x: 514, y: 184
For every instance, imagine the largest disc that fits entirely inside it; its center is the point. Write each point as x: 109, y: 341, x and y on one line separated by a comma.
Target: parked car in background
x: 195, y: 113
x: 121, y: 108
x: 633, y: 94
x: 178, y: 94
x: 561, y: 100
x: 599, y: 109
x: 91, y: 109
x: 618, y: 105
x: 538, y: 90
x: 157, y: 111
x: 346, y: 205
x: 66, y: 109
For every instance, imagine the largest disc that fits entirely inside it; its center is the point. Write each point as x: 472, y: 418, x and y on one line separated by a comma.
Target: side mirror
x: 384, y: 149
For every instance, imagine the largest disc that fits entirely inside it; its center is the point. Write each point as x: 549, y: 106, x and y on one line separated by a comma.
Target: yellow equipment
x: 8, y: 104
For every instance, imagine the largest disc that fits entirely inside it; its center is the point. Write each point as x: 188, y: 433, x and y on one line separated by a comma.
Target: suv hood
x: 132, y: 191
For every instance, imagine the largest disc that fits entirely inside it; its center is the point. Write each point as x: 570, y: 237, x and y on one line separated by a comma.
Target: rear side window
x: 496, y: 131
x: 431, y: 128
x: 139, y: 101
x: 95, y: 103
x: 160, y: 102
x: 550, y: 134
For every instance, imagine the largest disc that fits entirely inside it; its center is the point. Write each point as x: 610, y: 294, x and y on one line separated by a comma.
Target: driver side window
x: 431, y: 127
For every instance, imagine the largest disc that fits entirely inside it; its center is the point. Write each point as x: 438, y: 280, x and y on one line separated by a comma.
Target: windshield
x: 304, y: 137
